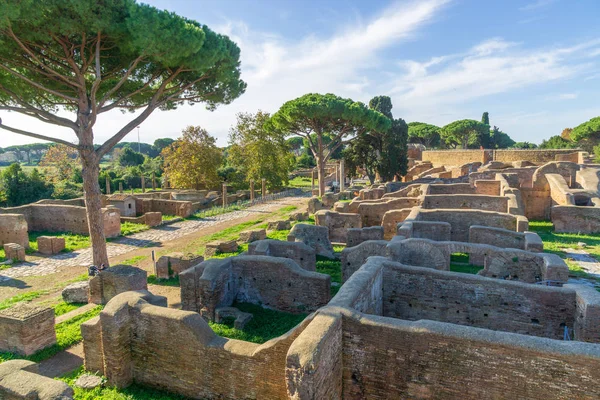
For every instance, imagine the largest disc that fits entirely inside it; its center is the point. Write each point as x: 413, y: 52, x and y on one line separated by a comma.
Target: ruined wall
x: 459, y: 157
x: 576, y: 219
x: 302, y: 254
x: 453, y: 188
x: 273, y: 282
x: 13, y: 229
x: 166, y: 207
x: 468, y: 201
x: 177, y: 351
x: 414, y: 293
x: 372, y: 213
x: 337, y: 223
x: 60, y: 218
x: 21, y: 380
x: 26, y: 329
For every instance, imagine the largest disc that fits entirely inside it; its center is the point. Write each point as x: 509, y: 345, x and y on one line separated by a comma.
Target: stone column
x: 121, y: 187
x: 342, y: 177
x: 153, y: 181
x: 107, y: 185
x: 224, y: 195
x: 264, y: 187
x: 143, y: 184
x: 252, y: 191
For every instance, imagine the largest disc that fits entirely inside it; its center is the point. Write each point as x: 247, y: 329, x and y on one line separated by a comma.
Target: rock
x: 253, y: 235
x: 316, y: 237
x: 581, y: 244
x: 240, y: 318
x: 299, y: 216
x: 76, y: 292
x: 89, y: 382
x: 314, y: 205
x: 329, y: 199
x: 225, y: 246
x: 279, y: 226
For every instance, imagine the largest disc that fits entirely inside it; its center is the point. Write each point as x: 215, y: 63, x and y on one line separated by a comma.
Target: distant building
x: 125, y: 203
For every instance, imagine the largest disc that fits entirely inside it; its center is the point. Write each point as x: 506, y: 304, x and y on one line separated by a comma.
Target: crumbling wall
x: 166, y: 207
x: 337, y: 223
x: 14, y: 229
x: 304, y: 255
x: 372, y: 213
x: 177, y: 351
x: 468, y: 201
x: 20, y: 379
x: 273, y: 282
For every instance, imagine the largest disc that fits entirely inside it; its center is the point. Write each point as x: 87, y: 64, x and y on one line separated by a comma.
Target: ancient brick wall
x: 576, y: 219
x: 13, y: 229
x: 470, y: 201
x: 273, y: 282
x: 413, y: 293
x: 372, y: 213
x: 337, y: 223
x: 302, y: 254
x: 453, y: 188
x: 535, y: 156
x: 25, y: 329
x: 166, y: 207
x: 459, y: 157
x: 177, y: 351
x: 61, y: 218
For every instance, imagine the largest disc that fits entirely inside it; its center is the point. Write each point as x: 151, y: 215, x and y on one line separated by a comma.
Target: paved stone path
x: 149, y: 238
x: 585, y: 261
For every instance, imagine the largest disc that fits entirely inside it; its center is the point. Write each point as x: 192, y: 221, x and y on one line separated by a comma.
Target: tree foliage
x: 587, y: 130
x: 18, y: 187
x: 464, y: 133
x: 60, y: 163
x: 130, y: 158
x: 557, y: 142
x: 485, y: 118
x: 524, y: 145
x: 90, y: 57
x: 318, y: 114
x: 499, y: 139
x: 426, y: 134
x: 192, y: 161
x: 259, y: 152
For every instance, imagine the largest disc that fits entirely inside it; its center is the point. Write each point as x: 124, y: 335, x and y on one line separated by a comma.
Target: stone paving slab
x: 122, y: 245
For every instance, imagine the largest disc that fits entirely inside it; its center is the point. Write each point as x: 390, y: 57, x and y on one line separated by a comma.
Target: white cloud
x: 278, y: 70
x: 567, y: 96
x: 537, y: 4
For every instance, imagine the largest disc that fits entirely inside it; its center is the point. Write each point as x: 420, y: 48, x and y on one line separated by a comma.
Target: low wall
x: 13, y: 229
x: 459, y: 157
x: 61, y: 218
x: 272, y: 282
x: 175, y: 350
x: 466, y: 201
x: 338, y: 224
x: 166, y: 207
x: 20, y: 379
x: 372, y: 213
x: 576, y: 219
x: 305, y: 256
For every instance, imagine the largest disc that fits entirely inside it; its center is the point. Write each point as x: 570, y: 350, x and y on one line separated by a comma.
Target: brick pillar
x: 143, y: 184
x: 224, y: 195
x: 121, y: 187
x: 153, y: 181
x: 312, y: 185
x: 107, y: 185
x: 264, y: 187
x: 252, y: 191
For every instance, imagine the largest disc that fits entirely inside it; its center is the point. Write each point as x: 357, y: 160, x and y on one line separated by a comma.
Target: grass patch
x: 153, y: 280
x: 465, y: 268
x: 265, y: 325
x: 68, y: 333
x: 29, y: 296
x: 62, y: 308
x: 332, y: 268
x: 2, y: 257
x: 133, y: 392
x: 301, y: 182
x: 459, y: 258
x: 133, y: 260
x: 72, y: 241
x: 129, y: 228
x: 278, y: 235
x: 287, y: 209
x: 169, y: 217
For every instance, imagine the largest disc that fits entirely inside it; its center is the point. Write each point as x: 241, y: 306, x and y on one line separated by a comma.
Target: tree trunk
x: 93, y: 203
x: 321, y: 175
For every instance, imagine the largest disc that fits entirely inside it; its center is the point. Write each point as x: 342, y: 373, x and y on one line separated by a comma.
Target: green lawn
x: 72, y: 241
x: 556, y: 243
x: 301, y: 182
x: 265, y: 325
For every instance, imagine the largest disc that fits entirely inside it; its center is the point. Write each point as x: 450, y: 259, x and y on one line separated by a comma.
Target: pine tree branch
x: 38, y: 136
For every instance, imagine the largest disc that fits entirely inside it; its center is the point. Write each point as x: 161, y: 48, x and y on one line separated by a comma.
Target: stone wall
x: 337, y: 223
x: 61, y: 218
x: 13, y: 229
x: 459, y: 157
x: 466, y: 201
x: 177, y: 351
x: 391, y: 219
x: 273, y: 282
x: 304, y: 255
x: 576, y: 219
x: 20, y: 379
x: 372, y: 213
x: 26, y: 329
x: 115, y: 280
x: 166, y: 207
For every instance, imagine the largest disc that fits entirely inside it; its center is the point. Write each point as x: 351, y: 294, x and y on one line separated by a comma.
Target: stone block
x: 19, y: 379
x: 253, y: 235
x: 329, y: 199
x: 279, y: 226
x: 356, y: 236
x: 314, y: 205
x: 304, y: 255
x: 50, y: 245
x: 26, y: 329
x: 153, y: 218
x: 314, y: 236
x: 115, y: 280
x: 14, y: 251
x: 14, y: 229
x: 173, y: 264
x: 76, y: 292
x: 222, y: 246
x: 240, y: 318
x: 299, y: 216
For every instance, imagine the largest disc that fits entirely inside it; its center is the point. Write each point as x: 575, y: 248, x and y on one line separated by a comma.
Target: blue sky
x: 534, y: 65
